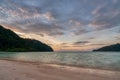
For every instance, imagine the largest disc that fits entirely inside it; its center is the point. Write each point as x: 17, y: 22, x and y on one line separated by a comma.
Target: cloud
x: 51, y: 29
x: 81, y: 42
x: 28, y: 19
x: 62, y: 18
x: 98, y: 16
x: 97, y: 44
x: 117, y: 37
x: 41, y: 29
x: 64, y: 43
x: 119, y: 31
x: 80, y: 31
x: 106, y: 15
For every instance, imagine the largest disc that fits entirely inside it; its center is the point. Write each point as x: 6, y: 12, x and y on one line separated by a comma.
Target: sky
x: 65, y: 25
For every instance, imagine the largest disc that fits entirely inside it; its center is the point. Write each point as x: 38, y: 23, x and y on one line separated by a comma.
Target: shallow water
x: 105, y: 60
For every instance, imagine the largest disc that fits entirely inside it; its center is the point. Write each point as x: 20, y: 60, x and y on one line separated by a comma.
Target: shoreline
x: 24, y: 70
x: 60, y: 64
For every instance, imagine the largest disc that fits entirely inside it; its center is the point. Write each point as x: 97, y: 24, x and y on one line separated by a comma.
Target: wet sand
x: 16, y: 70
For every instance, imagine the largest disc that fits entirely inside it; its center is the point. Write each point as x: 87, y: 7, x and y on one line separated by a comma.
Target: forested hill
x: 10, y: 41
x: 114, y: 47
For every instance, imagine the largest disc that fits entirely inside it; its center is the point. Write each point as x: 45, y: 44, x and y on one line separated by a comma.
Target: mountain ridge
x: 10, y: 41
x: 114, y: 47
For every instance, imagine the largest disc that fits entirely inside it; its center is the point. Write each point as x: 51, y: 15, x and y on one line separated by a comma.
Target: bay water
x: 104, y: 60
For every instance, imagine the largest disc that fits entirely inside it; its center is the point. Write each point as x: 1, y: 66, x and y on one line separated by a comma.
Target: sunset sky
x: 66, y: 25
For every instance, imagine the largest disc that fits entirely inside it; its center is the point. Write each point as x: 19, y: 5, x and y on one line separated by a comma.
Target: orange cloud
x: 11, y: 28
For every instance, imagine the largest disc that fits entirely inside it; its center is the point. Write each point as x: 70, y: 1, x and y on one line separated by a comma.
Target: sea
x: 102, y: 60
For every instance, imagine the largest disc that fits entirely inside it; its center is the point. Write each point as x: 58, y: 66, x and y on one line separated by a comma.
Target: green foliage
x: 115, y: 47
x: 9, y: 41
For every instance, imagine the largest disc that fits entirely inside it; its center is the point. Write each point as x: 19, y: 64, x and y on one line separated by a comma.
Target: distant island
x: 11, y: 42
x: 114, y: 47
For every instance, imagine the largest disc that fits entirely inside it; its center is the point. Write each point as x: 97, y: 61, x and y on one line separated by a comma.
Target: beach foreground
x: 16, y: 70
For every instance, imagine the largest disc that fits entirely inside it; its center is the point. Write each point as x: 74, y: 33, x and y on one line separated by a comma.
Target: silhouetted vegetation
x: 9, y: 41
x: 115, y: 47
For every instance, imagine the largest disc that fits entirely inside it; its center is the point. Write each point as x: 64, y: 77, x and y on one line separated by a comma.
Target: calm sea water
x: 107, y: 60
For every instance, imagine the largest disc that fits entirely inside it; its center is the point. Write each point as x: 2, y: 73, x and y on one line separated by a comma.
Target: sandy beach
x: 16, y: 70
